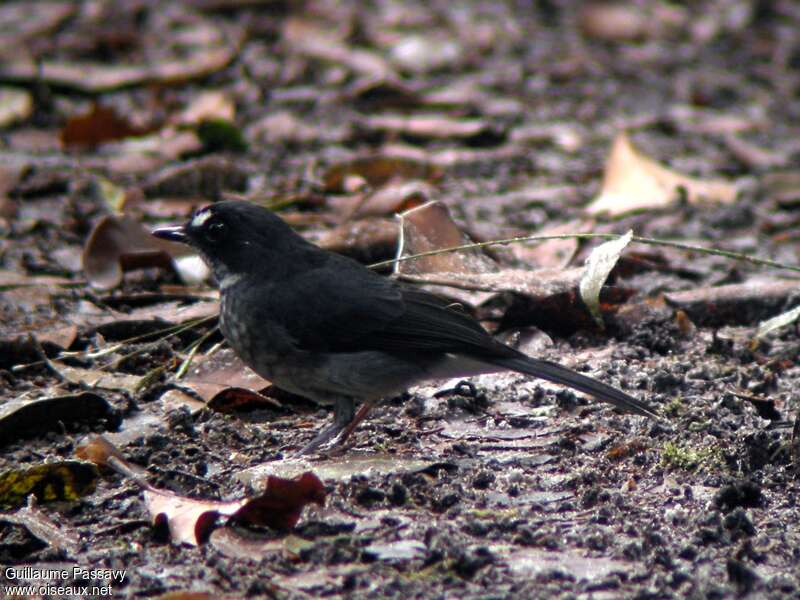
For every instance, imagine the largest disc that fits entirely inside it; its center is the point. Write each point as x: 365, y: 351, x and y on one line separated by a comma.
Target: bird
x: 325, y: 327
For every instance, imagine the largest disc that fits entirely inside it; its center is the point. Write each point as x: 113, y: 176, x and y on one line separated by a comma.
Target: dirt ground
x: 118, y: 116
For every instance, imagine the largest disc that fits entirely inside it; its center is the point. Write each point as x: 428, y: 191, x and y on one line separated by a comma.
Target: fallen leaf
x: 15, y: 105
x: 279, y: 506
x: 475, y: 132
x: 219, y: 135
x: 552, y: 254
x: 207, y: 106
x: 101, y: 124
x: 205, y: 177
x: 428, y: 228
x: 735, y: 303
x: 416, y: 53
x: 378, y: 170
x: 120, y: 243
x: 97, y: 379
x: 598, y: 267
x: 367, y: 240
x: 21, y: 419
x: 320, y: 41
x: 58, y: 537
x: 782, y: 320
x: 66, y: 480
x: 335, y: 468
x: 632, y: 181
x: 209, y: 376
x: 95, y: 78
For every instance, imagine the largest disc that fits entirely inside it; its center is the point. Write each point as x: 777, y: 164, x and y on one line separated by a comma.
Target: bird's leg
x: 343, y: 414
x: 362, y: 413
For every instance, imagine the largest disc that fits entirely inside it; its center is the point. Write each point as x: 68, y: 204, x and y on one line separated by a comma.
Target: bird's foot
x: 337, y: 433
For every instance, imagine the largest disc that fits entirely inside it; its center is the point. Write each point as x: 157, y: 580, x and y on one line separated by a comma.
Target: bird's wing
x: 358, y: 310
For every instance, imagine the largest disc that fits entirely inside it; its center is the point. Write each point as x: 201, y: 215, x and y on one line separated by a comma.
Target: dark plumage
x: 323, y: 326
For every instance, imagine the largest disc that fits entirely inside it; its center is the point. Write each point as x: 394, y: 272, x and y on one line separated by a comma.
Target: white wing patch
x: 200, y: 218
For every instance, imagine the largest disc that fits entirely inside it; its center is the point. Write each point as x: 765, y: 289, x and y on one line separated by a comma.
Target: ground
x: 117, y: 116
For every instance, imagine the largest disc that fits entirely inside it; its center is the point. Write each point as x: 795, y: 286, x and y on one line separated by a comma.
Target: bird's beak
x: 173, y: 234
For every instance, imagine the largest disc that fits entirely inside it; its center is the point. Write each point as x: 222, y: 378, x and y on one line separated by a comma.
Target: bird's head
x: 235, y: 238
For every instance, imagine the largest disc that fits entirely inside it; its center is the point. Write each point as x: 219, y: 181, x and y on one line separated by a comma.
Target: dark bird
x: 325, y: 327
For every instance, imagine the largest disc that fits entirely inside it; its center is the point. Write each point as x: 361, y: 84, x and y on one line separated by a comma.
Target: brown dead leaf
x: 321, y: 41
x: 211, y: 375
x: 190, y: 520
x: 279, y: 506
x: 209, y: 105
x: 632, y: 181
x: 378, y: 170
x: 60, y: 537
x: 367, y: 240
x: 21, y: 419
x: 476, y: 132
x: 430, y: 227
x: 205, y: 177
x: 97, y: 379
x: 737, y: 303
x: 95, y: 78
x: 628, y: 21
x: 101, y: 124
x: 119, y: 243
x: 461, y: 274
x: 393, y: 197
x: 552, y: 254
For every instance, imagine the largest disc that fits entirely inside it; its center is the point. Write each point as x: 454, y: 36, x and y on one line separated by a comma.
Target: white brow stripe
x: 201, y: 218
x: 230, y: 280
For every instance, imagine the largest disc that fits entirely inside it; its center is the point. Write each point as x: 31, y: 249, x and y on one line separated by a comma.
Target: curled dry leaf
x: 632, y: 181
x: 598, y: 266
x: 190, y: 520
x: 119, y: 243
x: 775, y: 323
x: 279, y: 506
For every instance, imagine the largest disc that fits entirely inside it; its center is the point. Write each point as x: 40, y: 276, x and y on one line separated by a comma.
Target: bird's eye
x: 215, y: 231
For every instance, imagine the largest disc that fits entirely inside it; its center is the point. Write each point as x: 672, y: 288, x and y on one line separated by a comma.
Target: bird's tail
x: 558, y: 374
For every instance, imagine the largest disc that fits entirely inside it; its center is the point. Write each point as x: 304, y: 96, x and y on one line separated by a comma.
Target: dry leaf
x: 775, y: 323
x: 15, y: 105
x: 598, y: 266
x: 211, y: 105
x: 94, y: 78
x: 477, y: 132
x: 20, y: 419
x: 101, y: 124
x: 65, y: 480
x: 119, y: 243
x: 190, y: 521
x: 632, y: 181
x: 211, y: 375
x: 378, y: 170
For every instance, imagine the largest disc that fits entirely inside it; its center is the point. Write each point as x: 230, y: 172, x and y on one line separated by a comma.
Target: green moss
x: 674, y: 456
